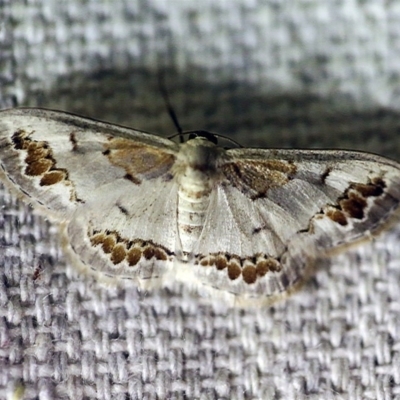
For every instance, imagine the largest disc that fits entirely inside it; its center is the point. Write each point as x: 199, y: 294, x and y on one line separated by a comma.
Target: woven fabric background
x: 268, y: 73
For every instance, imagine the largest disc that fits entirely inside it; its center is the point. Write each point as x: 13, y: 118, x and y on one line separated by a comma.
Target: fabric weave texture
x: 269, y: 73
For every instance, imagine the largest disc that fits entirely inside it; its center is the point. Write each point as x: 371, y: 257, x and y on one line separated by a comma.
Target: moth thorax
x: 193, y: 200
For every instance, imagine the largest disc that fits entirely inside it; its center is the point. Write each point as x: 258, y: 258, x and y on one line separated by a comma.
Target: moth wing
x: 127, y: 234
x: 111, y: 184
x: 283, y: 208
x: 59, y: 161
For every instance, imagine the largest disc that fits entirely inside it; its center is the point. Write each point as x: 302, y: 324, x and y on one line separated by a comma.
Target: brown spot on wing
x: 373, y: 189
x: 272, y: 264
x: 53, y: 177
x: 208, y: 261
x: 21, y: 140
x: 134, y: 256
x: 121, y: 249
x: 249, y: 274
x: 118, y: 253
x: 160, y: 254
x: 138, y: 160
x: 262, y: 268
x: 220, y: 262
x: 234, y: 271
x: 38, y: 167
x: 108, y: 244
x: 250, y: 268
x: 36, y: 152
x: 353, y: 203
x: 255, y: 178
x: 149, y: 253
x: 40, y: 161
x: 98, y: 238
x: 336, y: 215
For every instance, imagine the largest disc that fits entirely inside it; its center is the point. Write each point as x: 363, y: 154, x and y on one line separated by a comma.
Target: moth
x: 249, y: 223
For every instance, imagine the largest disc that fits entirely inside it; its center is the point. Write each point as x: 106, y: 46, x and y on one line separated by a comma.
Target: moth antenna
x: 168, y: 106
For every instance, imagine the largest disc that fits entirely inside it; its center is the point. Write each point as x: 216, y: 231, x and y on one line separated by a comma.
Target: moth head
x: 203, y: 135
x: 205, y: 138
x: 200, y: 151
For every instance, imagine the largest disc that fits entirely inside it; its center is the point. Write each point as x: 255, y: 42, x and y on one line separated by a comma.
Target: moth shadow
x: 254, y: 115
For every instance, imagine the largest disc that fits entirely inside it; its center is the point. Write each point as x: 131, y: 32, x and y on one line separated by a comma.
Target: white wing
x: 107, y: 182
x: 59, y: 160
x: 277, y: 210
